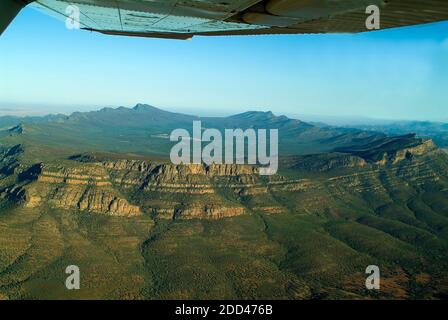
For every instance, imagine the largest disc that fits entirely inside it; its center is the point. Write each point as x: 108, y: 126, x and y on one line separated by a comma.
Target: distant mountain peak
x: 269, y: 118
x: 265, y: 115
x: 107, y: 109
x: 144, y: 107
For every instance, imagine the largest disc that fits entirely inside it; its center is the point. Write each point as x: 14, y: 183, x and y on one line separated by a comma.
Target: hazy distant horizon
x: 25, y: 110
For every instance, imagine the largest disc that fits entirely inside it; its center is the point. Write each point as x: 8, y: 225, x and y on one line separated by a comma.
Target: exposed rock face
x: 9, y: 159
x: 100, y: 201
x: 218, y: 191
x: 390, y: 150
x: 93, y: 200
x: 130, y: 165
x: 419, y: 150
x: 167, y: 172
x: 230, y: 170
x: 85, y: 175
x: 92, y: 187
x: 16, y: 130
x: 15, y: 194
x: 89, y: 187
x: 208, y: 211
x: 11, y: 151
x: 33, y: 201
x: 195, y: 179
x: 326, y: 162
x: 270, y: 210
x: 84, y: 188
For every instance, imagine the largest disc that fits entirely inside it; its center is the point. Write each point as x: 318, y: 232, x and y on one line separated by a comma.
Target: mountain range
x: 97, y: 189
x: 437, y: 131
x: 144, y: 129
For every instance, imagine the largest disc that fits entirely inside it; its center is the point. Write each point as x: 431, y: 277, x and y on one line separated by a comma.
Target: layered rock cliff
x: 134, y: 187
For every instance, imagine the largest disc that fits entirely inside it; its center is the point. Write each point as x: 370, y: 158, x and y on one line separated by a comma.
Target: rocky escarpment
x: 391, y: 150
x: 9, y: 159
x: 94, y: 200
x: 133, y: 187
x: 79, y: 197
x: 325, y: 162
x: 166, y: 184
x: 188, y: 179
x: 208, y: 211
x: 85, y: 187
x: 86, y: 174
x: 102, y: 187
x: 15, y: 194
x: 383, y: 152
x: 408, y: 153
x: 96, y: 187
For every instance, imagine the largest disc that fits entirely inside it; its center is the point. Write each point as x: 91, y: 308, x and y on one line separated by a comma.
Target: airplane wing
x: 183, y: 19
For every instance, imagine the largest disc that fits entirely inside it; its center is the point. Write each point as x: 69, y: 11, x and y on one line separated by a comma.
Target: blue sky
x: 391, y: 74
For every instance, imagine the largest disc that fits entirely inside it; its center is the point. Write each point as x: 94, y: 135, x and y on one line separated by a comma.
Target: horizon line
x: 20, y: 112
